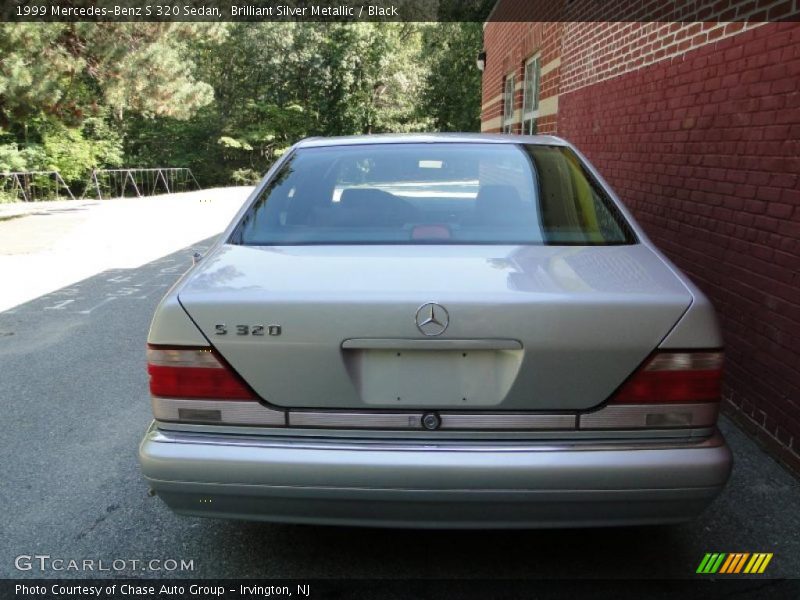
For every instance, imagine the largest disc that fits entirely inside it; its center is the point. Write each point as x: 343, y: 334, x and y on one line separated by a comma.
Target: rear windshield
x: 440, y: 193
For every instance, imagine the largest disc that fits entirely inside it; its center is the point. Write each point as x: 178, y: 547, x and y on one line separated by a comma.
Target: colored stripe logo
x: 734, y: 563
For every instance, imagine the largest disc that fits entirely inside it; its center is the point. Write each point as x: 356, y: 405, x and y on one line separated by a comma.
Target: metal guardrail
x: 118, y: 183
x: 32, y: 186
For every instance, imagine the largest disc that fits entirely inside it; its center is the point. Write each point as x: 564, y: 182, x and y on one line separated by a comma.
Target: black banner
x: 396, y: 10
x: 232, y: 589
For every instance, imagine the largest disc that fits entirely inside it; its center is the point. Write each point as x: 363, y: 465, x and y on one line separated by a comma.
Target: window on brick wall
x: 530, y: 98
x: 508, y: 104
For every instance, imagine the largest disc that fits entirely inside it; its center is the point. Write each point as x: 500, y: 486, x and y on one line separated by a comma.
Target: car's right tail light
x: 671, y: 389
x: 674, y: 377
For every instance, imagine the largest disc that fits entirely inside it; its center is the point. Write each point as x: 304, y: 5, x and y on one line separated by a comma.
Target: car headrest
x: 367, y: 199
x: 498, y: 198
x: 373, y: 207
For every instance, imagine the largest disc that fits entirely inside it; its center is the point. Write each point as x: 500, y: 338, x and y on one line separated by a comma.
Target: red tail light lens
x: 193, y: 373
x: 674, y: 377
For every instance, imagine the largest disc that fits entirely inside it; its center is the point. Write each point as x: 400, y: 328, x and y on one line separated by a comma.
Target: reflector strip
x: 685, y: 361
x: 650, y: 416
x: 217, y: 412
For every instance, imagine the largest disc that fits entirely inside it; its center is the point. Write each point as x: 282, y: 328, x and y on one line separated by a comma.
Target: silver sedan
x: 435, y: 331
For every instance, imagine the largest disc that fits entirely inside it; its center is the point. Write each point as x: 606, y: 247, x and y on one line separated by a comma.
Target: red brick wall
x: 705, y: 149
x: 593, y: 52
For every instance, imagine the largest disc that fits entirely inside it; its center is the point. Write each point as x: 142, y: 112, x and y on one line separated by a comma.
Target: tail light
x: 674, y: 377
x: 671, y: 390
x: 193, y: 373
x: 196, y: 385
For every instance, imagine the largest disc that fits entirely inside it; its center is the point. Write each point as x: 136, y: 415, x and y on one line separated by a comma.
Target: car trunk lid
x: 528, y: 328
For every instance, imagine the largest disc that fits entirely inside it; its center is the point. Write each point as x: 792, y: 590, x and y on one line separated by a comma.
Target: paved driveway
x: 45, y: 246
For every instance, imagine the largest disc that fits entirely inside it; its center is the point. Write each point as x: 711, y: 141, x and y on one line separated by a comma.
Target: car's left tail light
x: 193, y: 373
x: 196, y: 385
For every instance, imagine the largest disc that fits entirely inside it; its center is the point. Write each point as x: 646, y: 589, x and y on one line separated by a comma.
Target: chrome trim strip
x: 623, y: 416
x: 413, y: 420
x: 231, y: 412
x: 356, y: 420
x: 508, y: 421
x: 429, y: 344
x: 474, y: 435
x: 173, y: 437
x: 650, y: 416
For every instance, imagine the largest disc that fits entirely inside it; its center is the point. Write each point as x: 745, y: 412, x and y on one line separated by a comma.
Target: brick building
x: 694, y: 118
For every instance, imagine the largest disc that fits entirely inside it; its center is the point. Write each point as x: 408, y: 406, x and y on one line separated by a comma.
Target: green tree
x: 452, y: 92
x: 275, y: 83
x: 66, y: 87
x: 67, y: 70
x: 227, y: 100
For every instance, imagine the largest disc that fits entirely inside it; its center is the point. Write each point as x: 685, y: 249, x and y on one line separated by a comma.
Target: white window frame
x: 530, y: 94
x: 509, y: 85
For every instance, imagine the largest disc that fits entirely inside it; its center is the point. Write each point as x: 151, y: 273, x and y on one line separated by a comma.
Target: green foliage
x: 66, y: 87
x: 245, y: 177
x: 74, y: 150
x: 226, y: 100
x: 65, y: 71
x: 14, y: 158
x: 276, y: 83
x: 229, y: 142
x: 452, y: 94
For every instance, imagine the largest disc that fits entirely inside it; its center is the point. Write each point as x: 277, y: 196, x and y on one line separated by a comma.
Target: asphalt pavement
x: 74, y: 405
x: 45, y: 246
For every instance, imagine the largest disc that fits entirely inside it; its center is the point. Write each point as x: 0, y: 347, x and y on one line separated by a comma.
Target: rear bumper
x: 434, y: 484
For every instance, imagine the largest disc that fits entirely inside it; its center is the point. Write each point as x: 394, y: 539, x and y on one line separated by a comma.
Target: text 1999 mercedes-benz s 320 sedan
x: 435, y: 331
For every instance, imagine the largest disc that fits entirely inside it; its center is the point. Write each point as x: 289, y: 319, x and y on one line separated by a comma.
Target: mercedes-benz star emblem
x: 432, y: 319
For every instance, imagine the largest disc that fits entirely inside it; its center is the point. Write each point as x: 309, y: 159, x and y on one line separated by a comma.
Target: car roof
x: 429, y: 138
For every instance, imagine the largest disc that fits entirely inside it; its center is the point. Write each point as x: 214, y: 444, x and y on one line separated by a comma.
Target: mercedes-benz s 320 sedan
x: 435, y: 331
